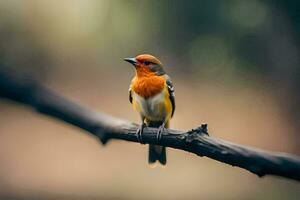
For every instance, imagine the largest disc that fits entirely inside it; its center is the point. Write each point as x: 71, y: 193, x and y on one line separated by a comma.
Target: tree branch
x: 26, y: 90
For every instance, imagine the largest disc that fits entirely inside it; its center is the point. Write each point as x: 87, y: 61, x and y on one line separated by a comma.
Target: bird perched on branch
x: 151, y: 93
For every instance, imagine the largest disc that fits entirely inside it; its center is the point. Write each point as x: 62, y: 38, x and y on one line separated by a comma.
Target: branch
x: 26, y: 90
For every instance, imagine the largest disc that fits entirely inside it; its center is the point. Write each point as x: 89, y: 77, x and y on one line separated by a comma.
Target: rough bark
x: 25, y: 90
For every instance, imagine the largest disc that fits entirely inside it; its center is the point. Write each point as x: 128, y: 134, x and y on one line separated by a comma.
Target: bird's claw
x: 159, y: 132
x: 139, y: 134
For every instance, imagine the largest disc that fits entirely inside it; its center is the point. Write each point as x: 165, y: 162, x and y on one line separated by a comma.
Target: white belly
x: 151, y: 108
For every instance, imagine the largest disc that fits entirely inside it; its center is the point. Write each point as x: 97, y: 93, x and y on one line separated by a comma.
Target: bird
x: 151, y: 94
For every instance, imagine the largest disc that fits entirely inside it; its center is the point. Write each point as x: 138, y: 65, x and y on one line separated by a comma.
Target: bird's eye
x: 147, y: 63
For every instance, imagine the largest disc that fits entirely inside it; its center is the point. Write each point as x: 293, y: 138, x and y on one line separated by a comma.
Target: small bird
x: 151, y: 94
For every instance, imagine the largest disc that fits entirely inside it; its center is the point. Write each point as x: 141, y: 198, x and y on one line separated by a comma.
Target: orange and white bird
x: 151, y: 93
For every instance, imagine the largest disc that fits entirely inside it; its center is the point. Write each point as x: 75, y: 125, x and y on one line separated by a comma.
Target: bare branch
x: 25, y: 90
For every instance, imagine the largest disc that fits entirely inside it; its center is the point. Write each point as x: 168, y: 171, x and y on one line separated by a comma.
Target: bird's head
x: 146, y: 65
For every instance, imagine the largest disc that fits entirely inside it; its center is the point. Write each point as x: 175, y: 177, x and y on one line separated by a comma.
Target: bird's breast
x: 148, y: 87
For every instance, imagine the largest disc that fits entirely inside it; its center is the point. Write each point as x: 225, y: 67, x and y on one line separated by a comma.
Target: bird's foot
x: 139, y: 134
x: 159, y: 132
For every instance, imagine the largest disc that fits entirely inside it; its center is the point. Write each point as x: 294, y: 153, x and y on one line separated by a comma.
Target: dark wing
x: 171, y: 93
x: 130, y: 95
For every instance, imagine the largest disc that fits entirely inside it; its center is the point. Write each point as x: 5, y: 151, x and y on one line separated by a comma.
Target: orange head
x: 146, y: 65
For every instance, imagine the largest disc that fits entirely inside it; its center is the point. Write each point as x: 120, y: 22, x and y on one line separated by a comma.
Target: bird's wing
x: 130, y: 95
x: 171, y: 93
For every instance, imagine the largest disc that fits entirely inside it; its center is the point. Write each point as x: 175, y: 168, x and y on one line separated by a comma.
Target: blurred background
x: 235, y: 65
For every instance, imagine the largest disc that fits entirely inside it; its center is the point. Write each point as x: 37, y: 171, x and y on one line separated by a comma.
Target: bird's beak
x: 131, y: 60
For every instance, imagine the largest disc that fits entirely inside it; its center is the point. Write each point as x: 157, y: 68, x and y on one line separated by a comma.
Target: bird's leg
x: 139, y: 132
x: 160, y: 130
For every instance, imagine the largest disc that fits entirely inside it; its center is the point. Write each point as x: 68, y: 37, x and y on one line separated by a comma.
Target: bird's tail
x: 156, y: 152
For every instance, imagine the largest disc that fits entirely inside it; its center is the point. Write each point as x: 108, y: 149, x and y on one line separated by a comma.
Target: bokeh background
x: 235, y: 65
